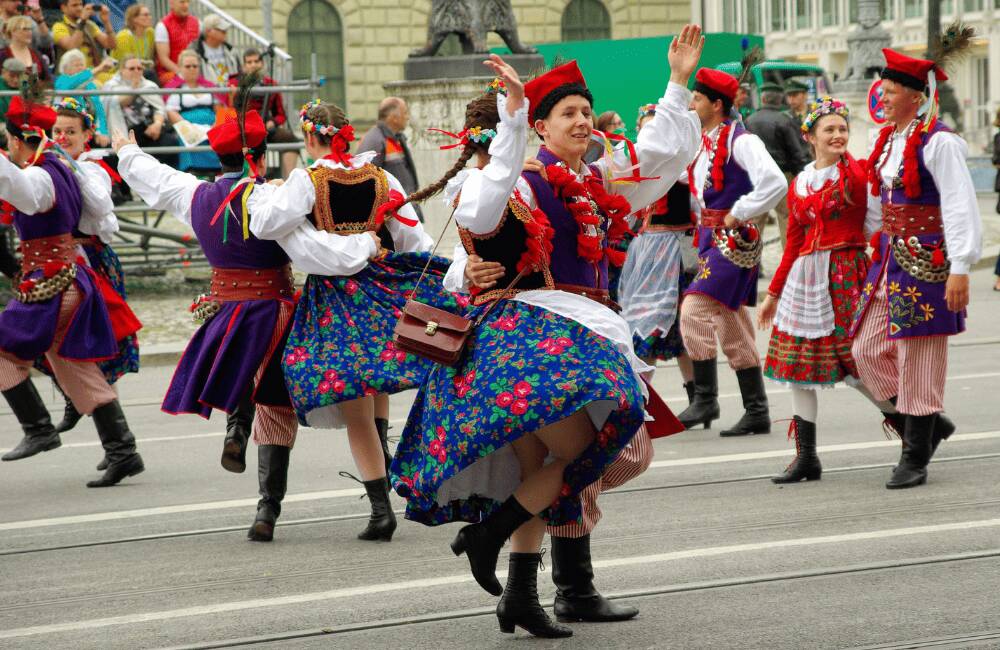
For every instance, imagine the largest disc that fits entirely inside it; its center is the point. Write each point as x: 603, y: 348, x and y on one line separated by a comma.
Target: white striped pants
x: 275, y: 425
x: 631, y: 462
x: 913, y: 370
x: 703, y: 319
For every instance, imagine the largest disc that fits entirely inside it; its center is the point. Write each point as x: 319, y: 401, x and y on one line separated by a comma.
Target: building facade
x: 361, y: 44
x: 816, y: 31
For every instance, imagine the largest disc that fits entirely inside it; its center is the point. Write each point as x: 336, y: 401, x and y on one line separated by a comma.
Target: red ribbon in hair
x: 340, y: 144
x: 390, y: 210
x: 462, y: 137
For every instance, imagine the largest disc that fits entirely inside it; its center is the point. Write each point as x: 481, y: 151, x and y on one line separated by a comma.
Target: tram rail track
x: 620, y: 491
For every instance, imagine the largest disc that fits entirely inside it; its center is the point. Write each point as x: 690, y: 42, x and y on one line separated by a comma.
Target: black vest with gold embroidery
x: 347, y: 200
x: 505, y: 245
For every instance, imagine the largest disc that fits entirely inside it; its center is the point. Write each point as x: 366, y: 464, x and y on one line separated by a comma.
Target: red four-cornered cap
x: 722, y: 83
x: 538, y: 88
x: 916, y: 68
x: 225, y: 138
x: 40, y: 115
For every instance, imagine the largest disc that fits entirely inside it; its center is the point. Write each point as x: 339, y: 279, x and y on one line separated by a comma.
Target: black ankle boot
x: 39, y: 434
x: 912, y: 468
x: 705, y: 404
x: 806, y: 464
x: 689, y: 389
x: 576, y: 597
x: 382, y: 426
x: 70, y: 417
x: 118, y: 443
x: 382, y: 523
x: 519, y: 606
x: 482, y: 542
x: 757, y: 416
x: 238, y: 427
x: 272, y: 476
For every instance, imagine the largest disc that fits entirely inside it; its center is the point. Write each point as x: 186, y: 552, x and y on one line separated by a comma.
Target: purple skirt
x: 223, y: 357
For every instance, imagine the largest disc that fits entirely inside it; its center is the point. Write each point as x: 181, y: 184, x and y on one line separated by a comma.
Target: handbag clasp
x: 431, y: 329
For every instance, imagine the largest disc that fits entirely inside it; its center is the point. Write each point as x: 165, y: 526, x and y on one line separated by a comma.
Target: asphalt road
x: 713, y: 553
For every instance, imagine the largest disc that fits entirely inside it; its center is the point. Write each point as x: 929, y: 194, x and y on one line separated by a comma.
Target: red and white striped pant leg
x: 923, y: 365
x: 736, y: 336
x: 698, y: 314
x: 875, y: 354
x: 630, y: 463
x: 275, y: 425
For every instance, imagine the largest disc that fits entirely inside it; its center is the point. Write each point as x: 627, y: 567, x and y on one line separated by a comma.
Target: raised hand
x: 118, y: 140
x: 684, y: 54
x: 510, y: 78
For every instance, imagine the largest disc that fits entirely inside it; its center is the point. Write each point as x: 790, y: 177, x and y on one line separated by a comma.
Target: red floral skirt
x: 822, y: 362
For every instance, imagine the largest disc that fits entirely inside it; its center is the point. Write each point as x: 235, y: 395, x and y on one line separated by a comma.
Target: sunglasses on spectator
x: 133, y: 67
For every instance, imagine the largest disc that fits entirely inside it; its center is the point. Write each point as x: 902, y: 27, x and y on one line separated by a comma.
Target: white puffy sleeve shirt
x: 98, y: 214
x: 161, y: 187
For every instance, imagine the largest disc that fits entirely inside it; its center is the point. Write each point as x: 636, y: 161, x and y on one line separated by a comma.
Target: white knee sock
x: 805, y: 404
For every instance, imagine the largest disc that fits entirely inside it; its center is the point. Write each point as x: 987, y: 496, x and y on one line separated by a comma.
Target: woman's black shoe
x: 806, y: 464
x: 382, y: 523
x: 482, y: 542
x: 519, y: 606
x: 70, y: 418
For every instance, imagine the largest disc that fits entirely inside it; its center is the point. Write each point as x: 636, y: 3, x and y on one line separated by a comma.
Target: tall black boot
x: 118, y: 443
x: 705, y: 406
x: 39, y: 434
x: 482, y: 542
x: 382, y: 523
x: 806, y: 464
x: 912, y: 468
x: 238, y: 427
x: 757, y: 416
x: 382, y: 426
x: 70, y: 416
x: 895, y: 423
x: 689, y: 389
x: 576, y: 597
x: 520, y: 607
x: 272, y: 475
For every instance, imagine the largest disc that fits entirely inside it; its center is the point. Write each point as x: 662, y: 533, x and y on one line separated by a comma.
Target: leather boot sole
x: 233, y: 457
x: 567, y: 612
x: 49, y: 446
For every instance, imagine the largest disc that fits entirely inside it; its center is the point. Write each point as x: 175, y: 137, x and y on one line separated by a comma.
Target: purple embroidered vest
x: 735, y: 180
x: 566, y: 265
x: 928, y: 190
x: 236, y: 252
x: 64, y: 216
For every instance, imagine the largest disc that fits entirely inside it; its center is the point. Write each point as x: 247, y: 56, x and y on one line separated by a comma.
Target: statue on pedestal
x: 864, y: 46
x: 472, y: 20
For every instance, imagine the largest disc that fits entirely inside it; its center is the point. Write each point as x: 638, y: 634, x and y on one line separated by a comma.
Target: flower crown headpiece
x: 71, y: 103
x: 646, y: 109
x: 826, y: 106
x: 497, y: 86
x: 476, y: 134
x: 313, y: 126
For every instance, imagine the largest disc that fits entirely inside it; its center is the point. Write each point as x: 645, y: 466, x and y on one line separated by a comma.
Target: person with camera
x: 76, y: 30
x: 17, y: 31
x: 146, y: 115
x: 41, y: 36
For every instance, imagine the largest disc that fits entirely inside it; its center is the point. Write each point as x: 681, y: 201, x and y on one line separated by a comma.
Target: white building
x: 816, y: 31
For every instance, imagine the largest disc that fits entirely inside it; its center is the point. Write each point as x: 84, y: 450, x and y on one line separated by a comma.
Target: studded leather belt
x: 36, y: 253
x: 908, y: 220
x: 252, y: 284
x: 713, y: 218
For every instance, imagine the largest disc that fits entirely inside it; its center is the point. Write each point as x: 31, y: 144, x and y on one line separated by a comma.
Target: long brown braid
x: 481, y: 112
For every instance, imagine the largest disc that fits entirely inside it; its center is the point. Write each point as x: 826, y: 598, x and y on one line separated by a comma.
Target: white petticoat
x: 805, y: 308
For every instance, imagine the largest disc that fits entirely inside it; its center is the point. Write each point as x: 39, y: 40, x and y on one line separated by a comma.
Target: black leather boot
x: 382, y: 523
x: 272, y: 475
x: 943, y: 429
x: 576, y: 597
x: 519, y: 606
x: 912, y: 468
x: 689, y: 389
x: 239, y: 424
x: 705, y: 406
x: 70, y: 417
x: 482, y: 542
x: 757, y: 416
x: 806, y: 464
x: 118, y: 443
x: 39, y: 434
x: 382, y: 426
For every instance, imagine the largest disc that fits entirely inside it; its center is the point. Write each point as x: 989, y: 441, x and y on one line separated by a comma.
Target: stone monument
x: 864, y: 61
x: 437, y: 88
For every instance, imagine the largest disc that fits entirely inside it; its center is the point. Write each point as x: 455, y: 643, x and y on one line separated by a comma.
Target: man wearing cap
x: 918, y: 287
x: 783, y: 139
x: 10, y: 79
x: 797, y: 94
x: 219, y: 62
x: 733, y: 180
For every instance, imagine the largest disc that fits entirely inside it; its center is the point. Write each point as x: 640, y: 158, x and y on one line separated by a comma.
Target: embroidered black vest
x: 347, y: 200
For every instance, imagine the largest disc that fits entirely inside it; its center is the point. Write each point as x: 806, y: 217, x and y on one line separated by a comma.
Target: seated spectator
x: 270, y: 107
x: 197, y: 108
x: 146, y: 115
x: 17, y: 31
x: 136, y: 40
x: 173, y: 35
x: 74, y: 75
x: 77, y: 32
x: 11, y: 73
x: 41, y: 36
x: 218, y: 61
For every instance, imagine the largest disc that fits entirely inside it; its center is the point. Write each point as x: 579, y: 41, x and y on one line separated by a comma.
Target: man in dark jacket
x: 387, y: 140
x: 782, y: 139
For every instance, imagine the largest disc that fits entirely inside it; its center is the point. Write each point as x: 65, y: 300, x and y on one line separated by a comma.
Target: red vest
x: 182, y: 31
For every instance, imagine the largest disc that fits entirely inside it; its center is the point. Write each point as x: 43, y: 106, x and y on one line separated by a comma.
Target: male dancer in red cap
x: 733, y: 180
x: 918, y: 287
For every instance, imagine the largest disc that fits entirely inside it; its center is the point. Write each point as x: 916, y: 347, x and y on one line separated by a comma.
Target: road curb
x: 164, y: 354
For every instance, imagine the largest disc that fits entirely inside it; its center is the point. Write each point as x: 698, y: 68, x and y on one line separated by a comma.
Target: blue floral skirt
x: 525, y: 368
x: 340, y: 345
